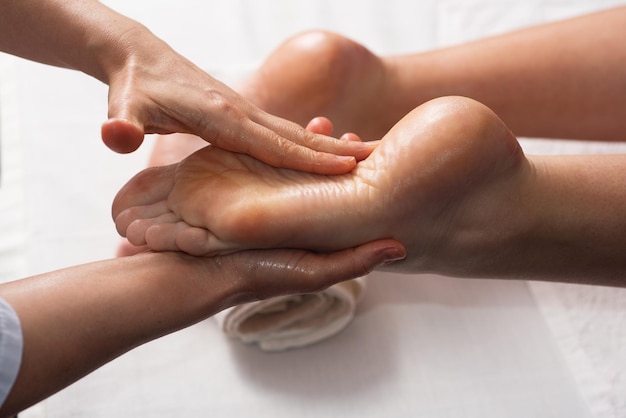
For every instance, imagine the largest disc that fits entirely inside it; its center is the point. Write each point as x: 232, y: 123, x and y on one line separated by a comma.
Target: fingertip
x: 121, y: 135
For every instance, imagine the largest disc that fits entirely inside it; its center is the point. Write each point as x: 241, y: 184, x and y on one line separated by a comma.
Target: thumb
x: 122, y: 135
x: 272, y: 273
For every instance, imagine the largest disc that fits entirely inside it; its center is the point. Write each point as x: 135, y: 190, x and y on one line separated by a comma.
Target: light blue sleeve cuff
x: 11, y: 343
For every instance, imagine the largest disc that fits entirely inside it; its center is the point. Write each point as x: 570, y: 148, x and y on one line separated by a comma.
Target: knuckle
x: 223, y: 122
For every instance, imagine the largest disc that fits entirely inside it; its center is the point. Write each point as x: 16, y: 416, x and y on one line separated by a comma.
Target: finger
x: 318, y: 142
x: 276, y: 272
x: 273, y: 149
x: 322, y: 125
x: 122, y: 135
x: 284, y: 144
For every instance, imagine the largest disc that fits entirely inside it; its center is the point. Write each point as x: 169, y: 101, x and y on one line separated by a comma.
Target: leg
x: 435, y: 171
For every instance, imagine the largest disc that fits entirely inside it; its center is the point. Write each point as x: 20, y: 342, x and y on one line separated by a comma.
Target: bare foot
x: 438, y: 170
x: 167, y: 149
x: 311, y: 74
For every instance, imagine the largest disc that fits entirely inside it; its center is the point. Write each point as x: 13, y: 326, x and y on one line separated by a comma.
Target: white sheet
x: 588, y: 322
x: 419, y: 345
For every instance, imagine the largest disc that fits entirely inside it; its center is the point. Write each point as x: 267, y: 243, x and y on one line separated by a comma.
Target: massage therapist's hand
x: 152, y: 89
x: 166, y: 93
x: 449, y: 181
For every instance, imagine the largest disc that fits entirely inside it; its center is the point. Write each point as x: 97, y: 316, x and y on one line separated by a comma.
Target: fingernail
x: 391, y: 255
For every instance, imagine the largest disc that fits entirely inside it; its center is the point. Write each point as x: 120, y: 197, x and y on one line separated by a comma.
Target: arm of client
x: 75, y: 320
x: 449, y: 181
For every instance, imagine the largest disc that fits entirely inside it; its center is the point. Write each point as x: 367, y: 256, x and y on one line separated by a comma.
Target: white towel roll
x: 293, y: 321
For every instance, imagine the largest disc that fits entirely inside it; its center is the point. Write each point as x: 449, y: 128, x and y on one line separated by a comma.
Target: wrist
x: 115, y: 53
x: 199, y: 286
x: 111, y: 41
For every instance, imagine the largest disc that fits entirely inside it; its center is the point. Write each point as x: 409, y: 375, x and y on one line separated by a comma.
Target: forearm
x: 561, y: 80
x: 77, y: 319
x: 84, y: 35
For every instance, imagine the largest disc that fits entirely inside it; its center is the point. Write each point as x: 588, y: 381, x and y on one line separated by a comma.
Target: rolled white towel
x: 293, y: 321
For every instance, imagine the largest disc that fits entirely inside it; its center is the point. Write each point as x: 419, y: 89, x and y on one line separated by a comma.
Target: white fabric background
x: 419, y: 345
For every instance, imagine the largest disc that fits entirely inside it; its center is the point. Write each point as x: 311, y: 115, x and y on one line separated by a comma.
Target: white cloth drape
x: 293, y: 321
